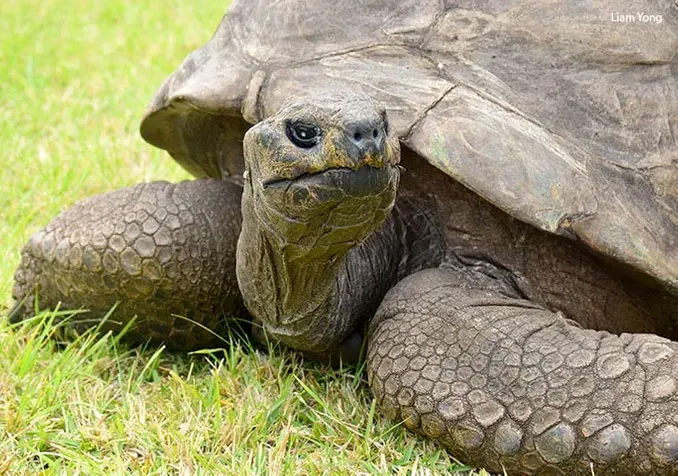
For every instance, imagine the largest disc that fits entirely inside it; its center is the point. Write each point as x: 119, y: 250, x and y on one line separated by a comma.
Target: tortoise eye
x: 302, y: 135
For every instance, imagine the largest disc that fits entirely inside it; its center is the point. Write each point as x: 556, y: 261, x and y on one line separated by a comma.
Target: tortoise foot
x: 163, y: 253
x: 506, y: 384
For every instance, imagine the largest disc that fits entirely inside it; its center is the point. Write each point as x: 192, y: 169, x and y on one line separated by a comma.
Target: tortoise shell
x: 559, y: 113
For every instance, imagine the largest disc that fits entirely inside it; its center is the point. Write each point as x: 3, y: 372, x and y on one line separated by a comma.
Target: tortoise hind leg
x: 504, y: 383
x: 158, y: 250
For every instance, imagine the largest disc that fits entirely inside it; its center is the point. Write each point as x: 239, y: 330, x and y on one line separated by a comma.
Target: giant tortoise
x: 517, y: 295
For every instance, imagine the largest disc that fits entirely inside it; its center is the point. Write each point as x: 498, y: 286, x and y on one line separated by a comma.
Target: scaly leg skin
x: 504, y: 383
x: 158, y: 250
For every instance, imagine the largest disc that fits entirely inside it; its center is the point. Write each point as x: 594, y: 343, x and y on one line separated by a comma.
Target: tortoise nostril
x: 367, y: 135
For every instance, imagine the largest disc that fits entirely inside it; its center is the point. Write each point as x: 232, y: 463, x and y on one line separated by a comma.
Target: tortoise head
x: 324, y: 166
x: 320, y: 177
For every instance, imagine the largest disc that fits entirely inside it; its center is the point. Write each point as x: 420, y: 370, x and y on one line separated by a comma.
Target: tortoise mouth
x: 365, y: 181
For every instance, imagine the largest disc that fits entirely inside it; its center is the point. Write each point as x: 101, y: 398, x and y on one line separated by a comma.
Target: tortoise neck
x: 313, y: 299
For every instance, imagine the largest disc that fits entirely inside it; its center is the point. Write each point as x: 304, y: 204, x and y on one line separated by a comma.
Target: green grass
x: 75, y: 77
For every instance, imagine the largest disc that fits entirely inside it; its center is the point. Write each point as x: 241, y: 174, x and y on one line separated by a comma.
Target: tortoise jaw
x: 341, y: 205
x: 339, y: 182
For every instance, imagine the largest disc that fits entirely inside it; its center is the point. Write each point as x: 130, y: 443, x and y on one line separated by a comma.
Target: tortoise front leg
x: 156, y: 250
x: 504, y: 383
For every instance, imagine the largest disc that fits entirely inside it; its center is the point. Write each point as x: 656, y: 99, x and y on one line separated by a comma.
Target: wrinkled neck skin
x: 311, y: 286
